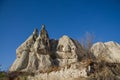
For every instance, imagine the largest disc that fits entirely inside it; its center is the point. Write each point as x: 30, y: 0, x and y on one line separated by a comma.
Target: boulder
x: 108, y: 51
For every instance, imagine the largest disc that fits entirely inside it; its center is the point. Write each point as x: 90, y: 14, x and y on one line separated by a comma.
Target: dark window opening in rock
x: 60, y: 48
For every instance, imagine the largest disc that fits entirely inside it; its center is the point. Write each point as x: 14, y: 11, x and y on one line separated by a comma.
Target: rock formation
x: 109, y: 51
x: 33, y: 54
x: 39, y: 52
x: 66, y: 51
x: 62, y: 59
x: 23, y: 52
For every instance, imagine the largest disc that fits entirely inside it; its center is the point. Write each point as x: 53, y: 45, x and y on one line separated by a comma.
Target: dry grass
x: 16, y: 75
x: 105, y: 71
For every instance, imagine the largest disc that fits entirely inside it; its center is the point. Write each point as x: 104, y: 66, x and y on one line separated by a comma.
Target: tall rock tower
x: 39, y: 52
x: 33, y: 54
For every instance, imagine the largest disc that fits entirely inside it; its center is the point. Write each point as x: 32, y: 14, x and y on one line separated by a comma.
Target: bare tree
x: 86, y: 43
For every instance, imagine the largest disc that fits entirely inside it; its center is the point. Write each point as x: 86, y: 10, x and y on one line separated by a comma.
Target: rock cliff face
x: 61, y: 59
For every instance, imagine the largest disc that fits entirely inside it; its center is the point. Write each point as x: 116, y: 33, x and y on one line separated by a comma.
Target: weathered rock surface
x: 33, y: 54
x: 109, y: 51
x: 68, y: 72
x: 61, y: 59
x: 66, y: 51
x: 23, y: 51
x: 39, y: 52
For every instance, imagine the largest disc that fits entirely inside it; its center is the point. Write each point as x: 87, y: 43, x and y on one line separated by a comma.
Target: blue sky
x: 74, y: 18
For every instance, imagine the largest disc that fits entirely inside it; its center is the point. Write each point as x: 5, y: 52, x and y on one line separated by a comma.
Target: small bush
x: 3, y: 75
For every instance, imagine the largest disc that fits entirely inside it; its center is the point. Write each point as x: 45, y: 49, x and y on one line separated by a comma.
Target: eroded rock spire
x: 43, y: 32
x: 35, y: 33
x: 40, y: 53
x: 44, y: 37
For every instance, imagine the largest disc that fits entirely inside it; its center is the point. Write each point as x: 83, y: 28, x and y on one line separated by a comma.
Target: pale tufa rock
x: 66, y: 51
x: 23, y: 53
x: 39, y: 54
x: 33, y: 54
x: 109, y: 51
x: 70, y: 72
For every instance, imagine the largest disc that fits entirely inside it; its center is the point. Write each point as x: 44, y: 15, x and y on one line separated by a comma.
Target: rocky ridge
x: 60, y: 59
x: 108, y: 51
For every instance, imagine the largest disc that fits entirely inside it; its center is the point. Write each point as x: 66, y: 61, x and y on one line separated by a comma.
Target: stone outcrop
x: 66, y: 51
x: 109, y: 51
x: 33, y: 54
x: 23, y: 52
x: 62, y: 59
x: 39, y: 52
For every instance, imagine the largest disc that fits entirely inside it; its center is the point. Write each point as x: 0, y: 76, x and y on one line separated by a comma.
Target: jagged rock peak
x: 44, y: 38
x: 43, y: 32
x: 43, y: 26
x: 35, y: 32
